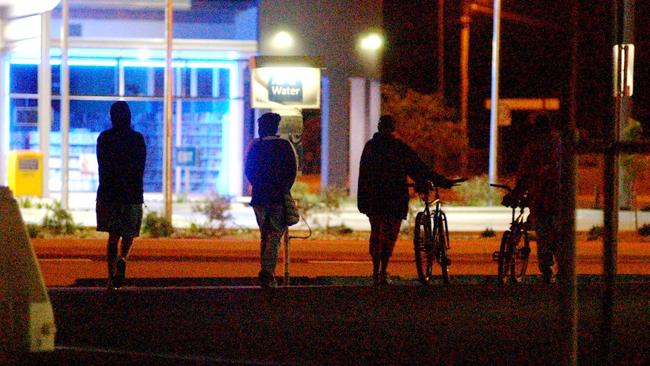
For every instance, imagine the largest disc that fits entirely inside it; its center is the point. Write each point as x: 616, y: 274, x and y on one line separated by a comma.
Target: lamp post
x: 167, y: 143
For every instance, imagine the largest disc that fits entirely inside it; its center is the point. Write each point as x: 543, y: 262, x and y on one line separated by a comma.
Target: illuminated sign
x: 285, y: 87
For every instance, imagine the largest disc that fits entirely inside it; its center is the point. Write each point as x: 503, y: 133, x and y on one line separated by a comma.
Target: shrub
x: 594, y: 233
x: 644, y: 230
x: 34, y: 231
x: 157, y: 226
x: 477, y: 192
x: 331, y: 200
x: 488, y: 233
x: 305, y: 200
x: 25, y: 202
x: 216, y: 210
x: 341, y: 229
x: 58, y: 220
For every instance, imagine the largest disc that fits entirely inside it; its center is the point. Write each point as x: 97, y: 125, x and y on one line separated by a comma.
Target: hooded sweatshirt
x: 121, y: 155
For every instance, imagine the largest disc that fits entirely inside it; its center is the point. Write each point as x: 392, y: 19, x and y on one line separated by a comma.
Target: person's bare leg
x: 126, y: 246
x: 111, y: 256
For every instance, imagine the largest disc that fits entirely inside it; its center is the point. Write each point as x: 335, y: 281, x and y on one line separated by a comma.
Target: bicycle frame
x: 433, y: 210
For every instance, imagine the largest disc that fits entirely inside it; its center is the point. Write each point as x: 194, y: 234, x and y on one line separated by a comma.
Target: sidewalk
x: 461, y: 219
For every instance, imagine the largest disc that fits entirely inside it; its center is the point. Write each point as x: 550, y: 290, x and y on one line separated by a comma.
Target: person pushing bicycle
x: 538, y: 176
x: 383, y: 194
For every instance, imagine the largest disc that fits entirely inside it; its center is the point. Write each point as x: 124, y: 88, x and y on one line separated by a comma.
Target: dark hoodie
x: 383, y: 188
x: 121, y: 155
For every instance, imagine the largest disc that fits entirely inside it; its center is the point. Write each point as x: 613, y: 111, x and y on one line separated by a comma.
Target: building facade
x: 116, y: 50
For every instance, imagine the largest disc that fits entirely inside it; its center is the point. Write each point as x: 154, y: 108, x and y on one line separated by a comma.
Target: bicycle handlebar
x: 502, y: 186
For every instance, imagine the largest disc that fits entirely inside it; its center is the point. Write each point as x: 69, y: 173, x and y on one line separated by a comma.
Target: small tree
x: 331, y: 199
x: 58, y: 220
x: 216, y: 210
x: 305, y: 200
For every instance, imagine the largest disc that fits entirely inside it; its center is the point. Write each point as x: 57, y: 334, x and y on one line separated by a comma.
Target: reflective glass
x: 93, y: 80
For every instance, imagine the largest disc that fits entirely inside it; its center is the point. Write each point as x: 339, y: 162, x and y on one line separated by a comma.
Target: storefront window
x: 93, y: 80
x: 144, y: 81
x: 204, y: 108
x: 202, y: 127
x: 24, y: 79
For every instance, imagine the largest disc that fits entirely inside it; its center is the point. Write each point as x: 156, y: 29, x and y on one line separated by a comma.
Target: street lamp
x: 371, y: 42
x: 282, y: 40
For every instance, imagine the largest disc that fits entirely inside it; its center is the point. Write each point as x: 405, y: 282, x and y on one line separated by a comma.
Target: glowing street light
x: 372, y: 42
x: 282, y: 40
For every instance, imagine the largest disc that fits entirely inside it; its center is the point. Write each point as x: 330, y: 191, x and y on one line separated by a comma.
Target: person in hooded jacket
x: 271, y: 168
x: 538, y: 179
x: 383, y: 195
x: 121, y: 155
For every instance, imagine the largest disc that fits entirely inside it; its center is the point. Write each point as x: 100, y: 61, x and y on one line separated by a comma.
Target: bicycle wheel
x: 422, y: 248
x: 441, y: 235
x: 519, y: 259
x: 504, y: 258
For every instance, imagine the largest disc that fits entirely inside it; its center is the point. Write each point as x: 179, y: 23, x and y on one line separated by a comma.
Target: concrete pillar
x: 4, y: 118
x: 335, y: 134
x: 45, y: 100
x: 365, y: 110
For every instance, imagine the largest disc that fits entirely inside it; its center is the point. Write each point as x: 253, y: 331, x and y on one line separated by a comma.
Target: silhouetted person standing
x: 383, y: 191
x: 538, y: 177
x: 121, y: 155
x: 271, y: 169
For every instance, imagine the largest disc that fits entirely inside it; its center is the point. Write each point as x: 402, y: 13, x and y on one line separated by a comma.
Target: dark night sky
x: 535, y: 60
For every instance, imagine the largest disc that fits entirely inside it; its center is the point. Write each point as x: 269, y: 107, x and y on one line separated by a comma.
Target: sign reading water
x: 285, y: 87
x: 285, y: 90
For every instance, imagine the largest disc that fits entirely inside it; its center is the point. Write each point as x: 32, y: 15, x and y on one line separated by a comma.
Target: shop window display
x: 203, y: 103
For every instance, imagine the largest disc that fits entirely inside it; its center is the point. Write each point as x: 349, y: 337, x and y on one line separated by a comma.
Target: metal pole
x: 465, y: 21
x: 65, y: 106
x: 168, y: 105
x: 441, y: 48
x: 623, y: 11
x: 567, y: 253
x: 287, y: 259
x: 494, y: 95
x: 44, y: 100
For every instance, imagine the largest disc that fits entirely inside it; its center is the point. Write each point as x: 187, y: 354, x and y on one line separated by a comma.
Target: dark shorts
x: 121, y: 219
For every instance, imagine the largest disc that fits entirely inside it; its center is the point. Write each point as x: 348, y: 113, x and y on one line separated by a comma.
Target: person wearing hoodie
x: 271, y: 168
x: 383, y: 195
x: 121, y: 155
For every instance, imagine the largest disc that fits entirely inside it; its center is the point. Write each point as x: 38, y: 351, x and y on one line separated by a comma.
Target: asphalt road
x: 342, y: 325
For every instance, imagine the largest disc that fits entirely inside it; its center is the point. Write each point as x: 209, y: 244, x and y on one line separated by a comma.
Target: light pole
x: 167, y: 143
x: 494, y: 95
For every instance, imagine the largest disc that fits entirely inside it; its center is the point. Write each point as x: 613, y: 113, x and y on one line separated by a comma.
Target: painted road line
x: 65, y: 260
x: 338, y: 262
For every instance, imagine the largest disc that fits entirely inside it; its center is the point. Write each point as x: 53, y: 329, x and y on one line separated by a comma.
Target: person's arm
x: 250, y: 167
x: 420, y: 172
x: 142, y: 154
x: 290, y: 165
x: 99, y: 152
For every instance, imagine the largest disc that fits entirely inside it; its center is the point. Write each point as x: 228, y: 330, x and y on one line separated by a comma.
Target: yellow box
x: 25, y: 173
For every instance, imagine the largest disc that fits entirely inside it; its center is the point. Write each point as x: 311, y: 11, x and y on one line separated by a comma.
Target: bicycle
x: 513, y: 253
x: 431, y: 234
